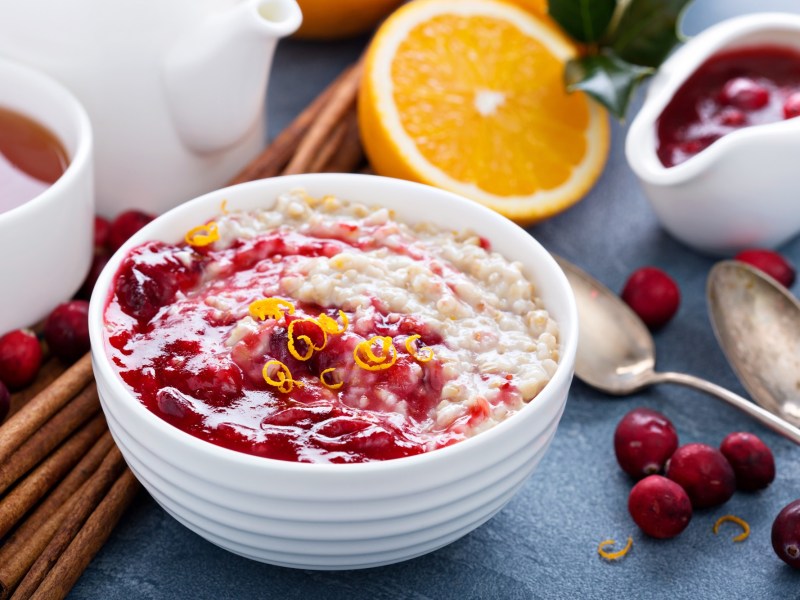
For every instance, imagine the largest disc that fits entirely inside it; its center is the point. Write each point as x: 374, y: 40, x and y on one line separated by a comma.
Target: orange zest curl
x: 330, y: 386
x: 331, y: 325
x: 734, y: 519
x: 304, y: 338
x: 416, y: 354
x: 375, y: 362
x: 203, y: 235
x: 283, y: 377
x: 601, y: 549
x: 223, y: 208
x: 270, y: 307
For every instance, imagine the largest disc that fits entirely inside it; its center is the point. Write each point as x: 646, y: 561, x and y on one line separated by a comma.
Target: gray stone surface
x: 543, y: 544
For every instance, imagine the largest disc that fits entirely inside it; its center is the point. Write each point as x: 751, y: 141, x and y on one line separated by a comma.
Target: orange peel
x: 330, y: 386
x: 283, y: 377
x: 270, y: 307
x: 601, y: 549
x: 375, y: 362
x: 202, y: 235
x: 331, y: 325
x: 304, y: 338
x: 733, y: 519
x: 415, y: 353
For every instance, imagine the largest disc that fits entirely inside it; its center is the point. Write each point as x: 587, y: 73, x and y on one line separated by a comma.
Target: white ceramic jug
x: 174, y: 88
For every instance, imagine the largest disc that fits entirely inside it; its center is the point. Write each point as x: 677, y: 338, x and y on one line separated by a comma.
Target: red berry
x: 791, y: 107
x: 124, y: 226
x: 732, y: 117
x: 744, y: 93
x: 786, y: 534
x: 643, y: 442
x: 772, y: 263
x: 751, y: 459
x: 67, y: 330
x: 653, y: 295
x: 704, y: 473
x: 5, y: 402
x: 102, y: 228
x: 20, y: 358
x: 660, y: 507
x: 98, y: 264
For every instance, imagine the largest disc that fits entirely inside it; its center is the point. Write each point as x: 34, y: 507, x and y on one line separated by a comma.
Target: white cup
x: 46, y: 244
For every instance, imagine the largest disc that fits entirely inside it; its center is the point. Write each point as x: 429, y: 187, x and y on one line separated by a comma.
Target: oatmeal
x: 326, y: 331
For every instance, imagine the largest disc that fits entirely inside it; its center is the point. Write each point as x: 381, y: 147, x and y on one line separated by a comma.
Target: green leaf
x: 647, y: 31
x: 606, y: 78
x: 584, y: 20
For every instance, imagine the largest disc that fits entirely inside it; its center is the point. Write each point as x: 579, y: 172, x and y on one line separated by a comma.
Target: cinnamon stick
x: 90, y: 539
x: 50, y: 370
x: 343, y: 97
x: 23, y: 424
x: 350, y: 153
x: 20, y: 551
x: 270, y: 162
x: 87, y: 500
x: 49, y: 435
x: 22, y: 498
x: 329, y: 148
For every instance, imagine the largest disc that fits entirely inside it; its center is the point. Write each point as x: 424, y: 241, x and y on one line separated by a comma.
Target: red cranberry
x: 20, y: 358
x: 772, y: 263
x: 643, y: 442
x: 751, y: 460
x: 124, y: 226
x: 744, y: 93
x: 653, y: 295
x: 102, y: 228
x: 67, y: 330
x: 786, y: 534
x: 5, y: 402
x: 98, y: 264
x: 791, y: 108
x: 704, y: 473
x: 732, y: 117
x: 660, y: 507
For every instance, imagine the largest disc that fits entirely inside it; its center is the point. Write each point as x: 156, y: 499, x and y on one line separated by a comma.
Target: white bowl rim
x: 83, y: 149
x: 690, y: 57
x: 549, y: 394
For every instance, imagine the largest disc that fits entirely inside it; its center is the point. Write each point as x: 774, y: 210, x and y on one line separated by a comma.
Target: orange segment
x: 469, y: 96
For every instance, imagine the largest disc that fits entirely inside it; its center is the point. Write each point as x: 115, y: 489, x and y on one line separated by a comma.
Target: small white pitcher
x: 743, y: 190
x: 174, y: 88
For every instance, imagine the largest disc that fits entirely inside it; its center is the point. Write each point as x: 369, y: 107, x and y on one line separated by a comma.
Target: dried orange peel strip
x: 331, y: 325
x: 270, y: 307
x: 423, y: 354
x: 304, y: 338
x: 330, y: 386
x: 601, y: 549
x: 282, y: 376
x: 202, y: 235
x: 734, y: 519
x: 368, y: 360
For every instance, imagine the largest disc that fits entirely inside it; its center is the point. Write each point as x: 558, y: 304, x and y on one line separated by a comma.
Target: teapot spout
x: 216, y: 77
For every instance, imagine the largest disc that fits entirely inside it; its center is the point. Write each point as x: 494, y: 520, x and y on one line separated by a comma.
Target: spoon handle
x: 759, y: 414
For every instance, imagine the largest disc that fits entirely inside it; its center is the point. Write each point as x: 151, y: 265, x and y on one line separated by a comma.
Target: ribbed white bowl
x: 340, y: 516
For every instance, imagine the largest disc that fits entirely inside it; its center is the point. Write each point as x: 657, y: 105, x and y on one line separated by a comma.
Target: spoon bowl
x: 757, y: 323
x: 617, y: 355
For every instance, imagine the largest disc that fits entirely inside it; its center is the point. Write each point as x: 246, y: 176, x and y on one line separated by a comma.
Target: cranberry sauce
x: 731, y: 90
x: 178, y: 335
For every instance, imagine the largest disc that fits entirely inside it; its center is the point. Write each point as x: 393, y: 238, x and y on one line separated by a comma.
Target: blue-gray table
x: 543, y: 543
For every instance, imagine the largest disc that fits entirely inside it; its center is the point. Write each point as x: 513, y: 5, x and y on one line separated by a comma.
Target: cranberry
x: 744, y: 93
x: 791, y: 107
x: 98, y: 264
x: 5, y: 402
x: 102, y: 228
x: 704, y: 473
x: 124, y: 226
x: 653, y: 295
x: 786, y: 534
x: 751, y: 460
x: 20, y: 358
x: 732, y: 117
x: 772, y: 263
x: 660, y: 507
x: 67, y: 330
x: 643, y: 442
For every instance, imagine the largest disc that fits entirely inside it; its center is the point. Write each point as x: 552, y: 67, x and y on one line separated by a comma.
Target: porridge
x: 325, y: 331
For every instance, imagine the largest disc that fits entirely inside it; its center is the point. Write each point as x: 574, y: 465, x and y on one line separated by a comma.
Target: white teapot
x: 174, y: 88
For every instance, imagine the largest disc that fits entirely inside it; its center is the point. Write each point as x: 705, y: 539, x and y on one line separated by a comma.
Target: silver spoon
x: 616, y: 353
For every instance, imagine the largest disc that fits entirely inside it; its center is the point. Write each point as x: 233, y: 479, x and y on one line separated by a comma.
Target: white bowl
x: 339, y: 516
x: 741, y: 191
x: 46, y: 244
